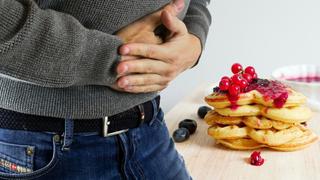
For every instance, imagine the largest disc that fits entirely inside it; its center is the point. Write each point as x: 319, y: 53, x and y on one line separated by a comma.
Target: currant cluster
x: 239, y: 80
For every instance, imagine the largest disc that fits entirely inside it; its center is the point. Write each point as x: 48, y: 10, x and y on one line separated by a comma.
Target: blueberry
x: 181, y: 134
x: 202, y: 111
x: 189, y: 124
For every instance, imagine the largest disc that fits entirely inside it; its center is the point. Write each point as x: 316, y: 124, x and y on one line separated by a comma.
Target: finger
x: 142, y: 79
x: 151, y: 51
x: 153, y: 20
x: 117, y: 88
x: 122, y: 69
x: 145, y: 66
x: 179, y: 5
x: 144, y: 89
x: 125, y: 58
x: 174, y: 8
x: 173, y: 24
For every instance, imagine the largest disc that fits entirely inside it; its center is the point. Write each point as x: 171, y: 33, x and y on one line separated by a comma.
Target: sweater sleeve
x: 198, y: 19
x: 52, y: 49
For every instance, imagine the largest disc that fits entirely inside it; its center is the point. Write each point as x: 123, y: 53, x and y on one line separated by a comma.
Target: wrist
x: 196, y: 42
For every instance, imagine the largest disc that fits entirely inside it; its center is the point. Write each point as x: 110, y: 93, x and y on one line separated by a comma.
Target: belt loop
x: 155, y: 107
x: 142, y: 113
x: 68, y: 134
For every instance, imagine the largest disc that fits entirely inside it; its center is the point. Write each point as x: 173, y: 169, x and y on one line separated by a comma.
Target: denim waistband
x: 69, y: 125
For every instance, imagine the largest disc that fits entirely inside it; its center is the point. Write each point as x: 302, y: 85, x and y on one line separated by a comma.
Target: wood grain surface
x: 206, y: 160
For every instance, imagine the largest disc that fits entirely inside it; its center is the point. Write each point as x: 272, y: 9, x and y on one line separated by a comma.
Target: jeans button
x: 30, y: 151
x: 56, y: 138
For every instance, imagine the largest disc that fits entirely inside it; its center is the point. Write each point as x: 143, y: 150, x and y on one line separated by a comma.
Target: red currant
x: 250, y: 70
x: 224, y: 84
x: 247, y: 77
x: 256, y: 159
x: 225, y: 78
x: 243, y: 83
x: 236, y: 68
x: 236, y: 79
x: 234, y: 90
x: 255, y: 76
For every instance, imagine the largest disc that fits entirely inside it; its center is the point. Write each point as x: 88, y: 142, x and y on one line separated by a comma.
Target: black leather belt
x: 107, y: 126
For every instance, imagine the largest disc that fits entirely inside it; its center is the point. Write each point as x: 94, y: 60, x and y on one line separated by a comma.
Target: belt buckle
x: 106, y: 124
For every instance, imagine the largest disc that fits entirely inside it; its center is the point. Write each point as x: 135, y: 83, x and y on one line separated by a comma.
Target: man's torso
x: 104, y: 15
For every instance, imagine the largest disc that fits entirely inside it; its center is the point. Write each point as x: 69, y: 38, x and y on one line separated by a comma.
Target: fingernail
x: 128, y: 88
x: 123, y: 69
x: 124, y: 83
x: 125, y: 50
x: 179, y: 5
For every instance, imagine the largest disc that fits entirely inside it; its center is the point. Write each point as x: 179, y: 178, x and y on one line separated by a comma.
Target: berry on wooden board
x: 202, y: 111
x: 189, y: 124
x: 256, y: 159
x: 181, y: 134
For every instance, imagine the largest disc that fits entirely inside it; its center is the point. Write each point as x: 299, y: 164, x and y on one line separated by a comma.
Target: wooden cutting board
x: 207, y: 160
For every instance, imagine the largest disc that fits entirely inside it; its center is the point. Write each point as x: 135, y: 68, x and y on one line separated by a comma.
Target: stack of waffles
x: 267, y: 114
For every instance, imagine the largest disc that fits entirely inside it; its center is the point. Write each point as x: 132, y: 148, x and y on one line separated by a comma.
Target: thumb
x: 173, y: 24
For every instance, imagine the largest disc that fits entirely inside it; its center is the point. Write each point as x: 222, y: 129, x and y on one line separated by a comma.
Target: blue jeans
x: 146, y: 152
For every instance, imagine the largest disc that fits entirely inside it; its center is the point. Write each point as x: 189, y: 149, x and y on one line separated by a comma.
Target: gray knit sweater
x: 57, y: 57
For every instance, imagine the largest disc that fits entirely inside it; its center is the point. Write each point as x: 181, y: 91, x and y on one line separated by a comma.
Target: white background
x: 266, y: 34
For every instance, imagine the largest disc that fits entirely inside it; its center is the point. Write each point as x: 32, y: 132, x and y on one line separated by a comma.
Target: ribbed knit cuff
x: 196, y: 29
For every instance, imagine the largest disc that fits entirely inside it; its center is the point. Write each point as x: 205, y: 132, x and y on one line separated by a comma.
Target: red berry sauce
x: 246, y: 81
x: 233, y: 100
x: 307, y: 79
x: 271, y: 90
x: 256, y: 159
